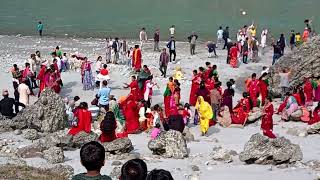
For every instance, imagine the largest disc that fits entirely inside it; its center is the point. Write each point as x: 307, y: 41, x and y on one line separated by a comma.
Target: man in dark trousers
x: 156, y: 39
x: 172, y: 48
x: 225, y: 37
x: 163, y: 62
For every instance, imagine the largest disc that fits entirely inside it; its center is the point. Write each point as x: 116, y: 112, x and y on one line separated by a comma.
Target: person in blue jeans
x: 103, y: 95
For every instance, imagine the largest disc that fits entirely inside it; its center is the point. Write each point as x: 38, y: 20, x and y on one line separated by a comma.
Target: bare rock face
x: 262, y: 150
x: 303, y: 62
x: 118, y: 146
x: 254, y: 115
x: 170, y: 144
x: 54, y: 155
x: 220, y: 154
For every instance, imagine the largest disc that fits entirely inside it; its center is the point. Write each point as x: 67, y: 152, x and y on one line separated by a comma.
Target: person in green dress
x: 40, y: 28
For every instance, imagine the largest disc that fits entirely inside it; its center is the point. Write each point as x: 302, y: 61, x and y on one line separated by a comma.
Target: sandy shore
x: 17, y: 49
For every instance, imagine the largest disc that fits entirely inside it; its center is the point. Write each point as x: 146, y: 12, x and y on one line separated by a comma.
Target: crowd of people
x: 136, y: 112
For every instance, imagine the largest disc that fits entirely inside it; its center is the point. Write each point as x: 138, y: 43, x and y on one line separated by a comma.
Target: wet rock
x: 314, y: 128
x: 115, y: 173
x: 118, y: 146
x: 170, y: 144
x: 54, y: 155
x: 220, y: 154
x: 262, y: 150
x: 30, y: 134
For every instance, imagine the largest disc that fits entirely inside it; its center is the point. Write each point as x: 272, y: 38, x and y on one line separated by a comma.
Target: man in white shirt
x: 143, y: 37
x: 220, y: 36
x: 54, y: 56
x: 172, y: 31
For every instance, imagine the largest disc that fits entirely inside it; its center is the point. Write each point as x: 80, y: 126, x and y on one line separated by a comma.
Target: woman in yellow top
x: 205, y: 114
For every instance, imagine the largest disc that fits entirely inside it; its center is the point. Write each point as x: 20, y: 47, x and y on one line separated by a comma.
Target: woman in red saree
x: 308, y: 91
x: 267, y: 121
x: 52, y: 80
x: 108, y: 128
x: 241, y: 111
x: 254, y: 89
x: 136, y: 58
x: 234, y: 56
x: 263, y: 85
x: 84, y: 120
x: 167, y: 96
x: 316, y: 115
x: 194, y: 88
x: 41, y: 78
x: 131, y: 113
x: 134, y: 88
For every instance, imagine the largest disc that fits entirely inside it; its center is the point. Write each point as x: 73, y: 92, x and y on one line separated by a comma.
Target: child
x: 92, y: 157
x: 155, y: 132
x: 178, y: 74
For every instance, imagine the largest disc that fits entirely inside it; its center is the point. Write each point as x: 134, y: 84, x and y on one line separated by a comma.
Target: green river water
x: 124, y: 18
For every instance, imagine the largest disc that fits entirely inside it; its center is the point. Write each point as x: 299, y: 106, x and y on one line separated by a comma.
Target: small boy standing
x: 92, y: 157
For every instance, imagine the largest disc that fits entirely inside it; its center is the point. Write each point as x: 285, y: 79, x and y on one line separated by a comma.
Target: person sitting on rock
x: 134, y: 169
x: 290, y: 108
x: 108, y: 128
x: 84, y: 118
x: 158, y: 174
x: 92, y: 157
x: 316, y: 115
x: 6, y: 105
x: 155, y: 132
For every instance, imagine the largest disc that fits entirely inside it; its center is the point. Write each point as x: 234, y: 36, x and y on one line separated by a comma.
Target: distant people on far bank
x: 143, y: 37
x: 40, y: 28
x: 219, y: 36
x: 193, y: 40
x: 172, y: 48
x: 172, y: 31
x: 225, y: 36
x: 156, y: 39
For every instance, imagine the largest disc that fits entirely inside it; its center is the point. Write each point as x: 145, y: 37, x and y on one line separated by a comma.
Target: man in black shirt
x: 225, y: 37
x: 276, y: 52
x: 292, y: 39
x: 6, y: 105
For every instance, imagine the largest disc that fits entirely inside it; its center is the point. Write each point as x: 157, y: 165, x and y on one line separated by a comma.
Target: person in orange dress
x: 136, y: 58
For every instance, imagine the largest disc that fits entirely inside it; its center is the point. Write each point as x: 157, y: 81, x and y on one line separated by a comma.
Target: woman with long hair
x: 108, y: 128
x: 84, y: 118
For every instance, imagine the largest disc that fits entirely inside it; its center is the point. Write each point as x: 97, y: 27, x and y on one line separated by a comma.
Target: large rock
x: 314, y: 128
x: 82, y: 138
x: 47, y: 114
x: 262, y: 150
x: 118, y: 146
x: 170, y: 144
x: 304, y: 61
x: 188, y: 136
x: 54, y: 155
